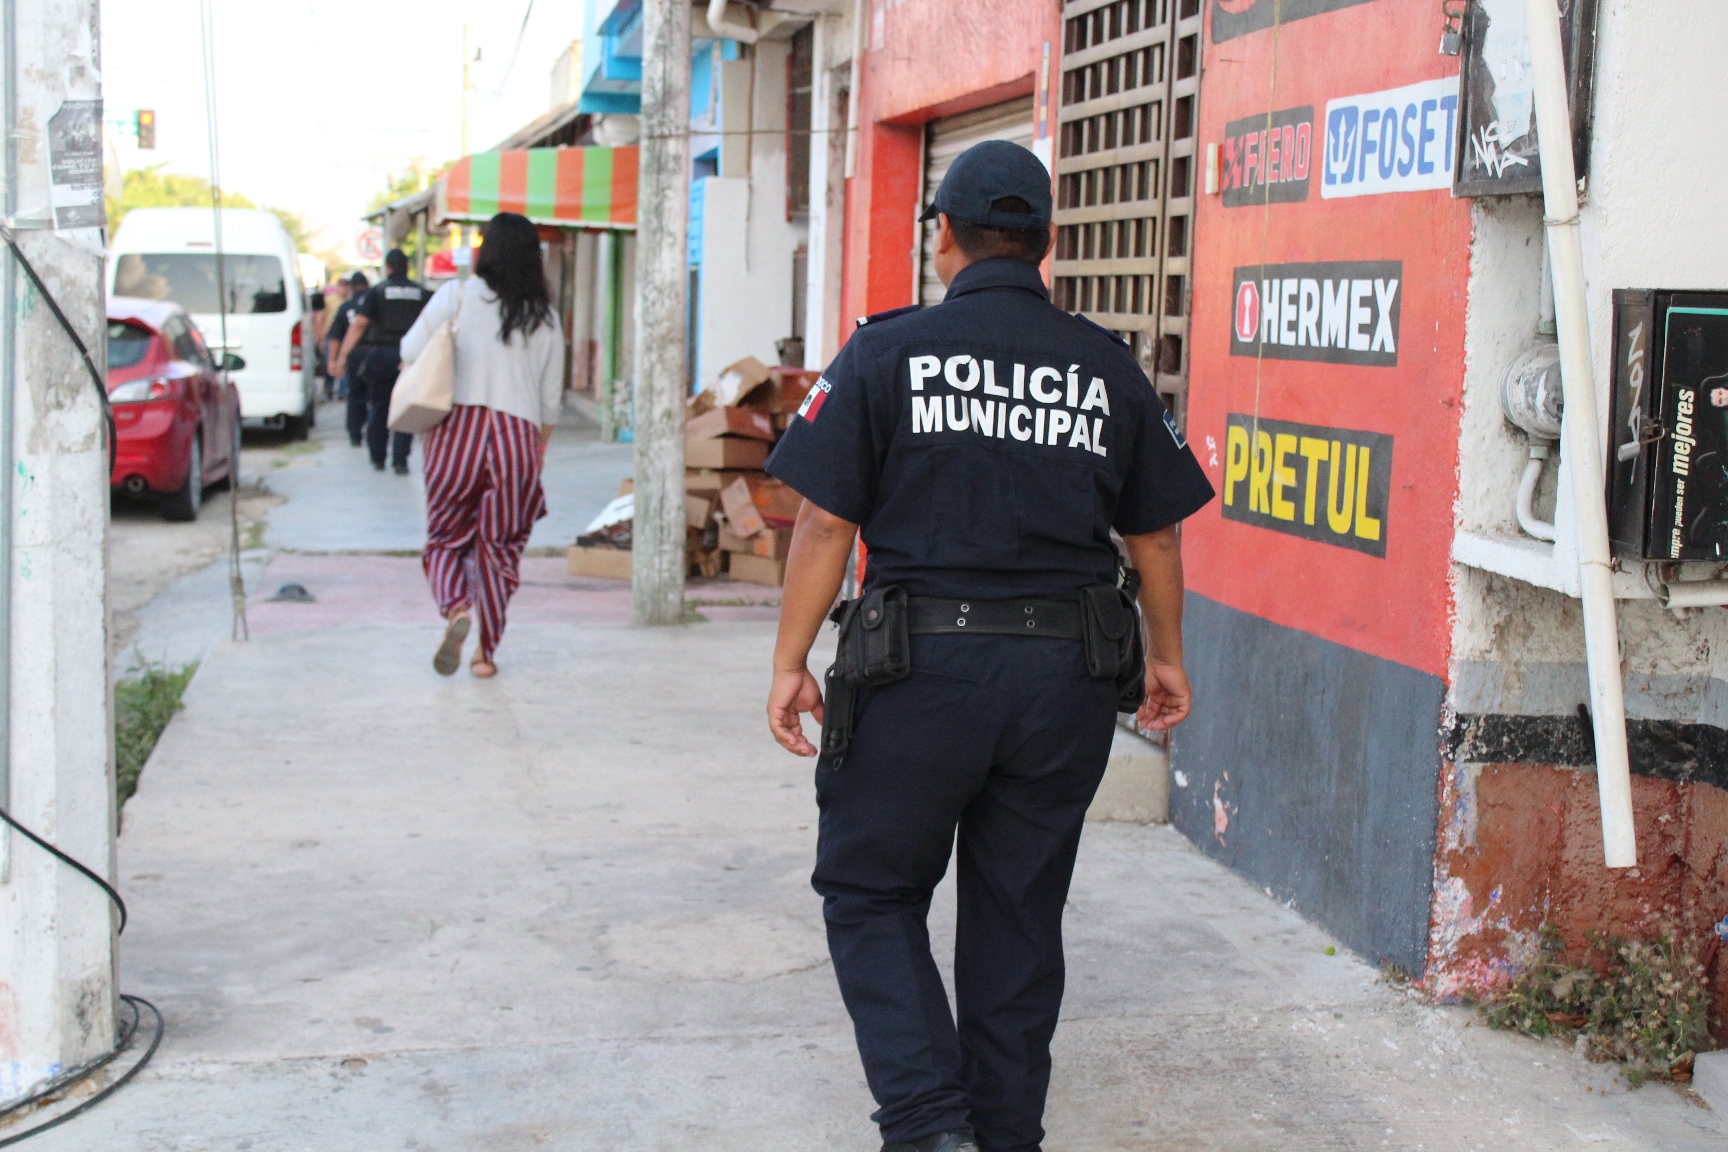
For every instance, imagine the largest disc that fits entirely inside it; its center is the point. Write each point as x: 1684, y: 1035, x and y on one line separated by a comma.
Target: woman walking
x: 483, y: 461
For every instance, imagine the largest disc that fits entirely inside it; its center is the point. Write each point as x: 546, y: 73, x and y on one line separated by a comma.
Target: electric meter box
x: 1668, y: 426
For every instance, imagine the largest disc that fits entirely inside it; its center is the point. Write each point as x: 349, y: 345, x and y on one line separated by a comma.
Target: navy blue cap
x: 991, y: 171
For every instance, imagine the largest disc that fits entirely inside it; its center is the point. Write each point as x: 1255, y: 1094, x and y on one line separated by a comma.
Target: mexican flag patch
x: 814, y: 399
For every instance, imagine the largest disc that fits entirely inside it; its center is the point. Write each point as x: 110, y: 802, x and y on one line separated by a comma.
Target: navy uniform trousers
x: 1002, y: 740
x: 378, y: 369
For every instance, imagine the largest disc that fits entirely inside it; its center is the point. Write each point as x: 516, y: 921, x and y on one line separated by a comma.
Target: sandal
x: 449, y: 654
x: 482, y: 669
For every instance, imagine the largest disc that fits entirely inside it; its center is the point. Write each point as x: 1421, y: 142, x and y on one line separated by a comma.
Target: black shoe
x: 355, y: 443
x: 401, y: 469
x: 377, y: 465
x: 961, y: 1141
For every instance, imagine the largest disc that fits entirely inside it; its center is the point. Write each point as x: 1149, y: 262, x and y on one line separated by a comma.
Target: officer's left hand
x: 1168, y: 697
x: 793, y: 692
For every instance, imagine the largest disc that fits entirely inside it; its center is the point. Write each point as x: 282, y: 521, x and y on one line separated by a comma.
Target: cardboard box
x: 725, y: 452
x: 739, y: 379
x: 606, y: 563
x: 756, y: 570
x: 709, y: 481
x: 719, y: 421
x: 791, y: 386
x: 769, y: 544
x: 698, y: 509
x: 753, y: 503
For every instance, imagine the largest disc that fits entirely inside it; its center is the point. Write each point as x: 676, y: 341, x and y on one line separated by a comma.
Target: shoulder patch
x: 878, y: 317
x: 814, y: 399
x: 1116, y: 336
x: 1170, y: 426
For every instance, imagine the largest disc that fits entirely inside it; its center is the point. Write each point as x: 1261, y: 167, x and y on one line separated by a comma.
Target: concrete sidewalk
x: 569, y: 909
x: 337, y: 503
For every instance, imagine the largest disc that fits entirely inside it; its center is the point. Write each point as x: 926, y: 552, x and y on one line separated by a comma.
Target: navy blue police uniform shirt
x: 987, y: 446
x: 344, y: 315
x: 391, y: 307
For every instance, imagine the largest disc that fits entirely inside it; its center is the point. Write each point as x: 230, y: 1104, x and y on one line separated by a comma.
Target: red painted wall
x: 924, y: 59
x: 1396, y: 606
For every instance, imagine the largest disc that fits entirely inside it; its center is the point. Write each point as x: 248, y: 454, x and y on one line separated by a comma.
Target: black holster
x: 1115, y: 638
x: 875, y: 648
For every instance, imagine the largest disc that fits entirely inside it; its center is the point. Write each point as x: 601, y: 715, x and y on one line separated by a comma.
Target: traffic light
x: 146, y: 128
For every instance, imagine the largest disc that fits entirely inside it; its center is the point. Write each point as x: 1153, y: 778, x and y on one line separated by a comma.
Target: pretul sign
x: 1338, y: 312
x: 1329, y: 485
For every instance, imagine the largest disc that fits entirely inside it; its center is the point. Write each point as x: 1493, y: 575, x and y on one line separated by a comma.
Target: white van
x: 170, y: 254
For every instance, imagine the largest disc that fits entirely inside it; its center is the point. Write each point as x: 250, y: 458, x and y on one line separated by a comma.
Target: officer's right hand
x: 793, y: 692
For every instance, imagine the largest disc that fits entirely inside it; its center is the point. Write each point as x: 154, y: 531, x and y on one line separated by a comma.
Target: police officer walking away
x: 986, y: 448
x: 338, y: 334
x: 378, y: 325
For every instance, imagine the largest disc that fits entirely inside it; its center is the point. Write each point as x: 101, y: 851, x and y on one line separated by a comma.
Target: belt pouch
x: 883, y: 651
x: 1107, y: 624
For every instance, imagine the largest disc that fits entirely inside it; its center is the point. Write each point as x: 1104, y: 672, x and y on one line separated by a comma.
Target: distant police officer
x: 986, y: 448
x: 378, y: 325
x: 345, y: 388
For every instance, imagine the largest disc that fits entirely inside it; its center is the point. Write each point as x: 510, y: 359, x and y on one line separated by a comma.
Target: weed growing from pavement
x: 1642, y: 1003
x: 143, y: 705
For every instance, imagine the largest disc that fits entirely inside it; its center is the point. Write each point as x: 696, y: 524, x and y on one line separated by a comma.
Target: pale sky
x: 319, y: 99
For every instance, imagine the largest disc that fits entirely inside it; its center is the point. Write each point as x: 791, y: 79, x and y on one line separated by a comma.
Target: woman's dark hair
x: 509, y: 262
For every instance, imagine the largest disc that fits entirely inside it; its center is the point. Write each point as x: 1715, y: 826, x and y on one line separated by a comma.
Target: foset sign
x: 1338, y: 312
x: 1399, y: 140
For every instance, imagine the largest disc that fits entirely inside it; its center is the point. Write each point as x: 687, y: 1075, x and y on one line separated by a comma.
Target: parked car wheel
x: 300, y: 427
x: 184, y: 504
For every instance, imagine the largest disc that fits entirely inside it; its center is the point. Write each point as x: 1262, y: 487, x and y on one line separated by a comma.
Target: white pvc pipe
x: 718, y: 23
x: 1694, y: 594
x: 727, y: 30
x: 1527, y: 520
x: 853, y: 85
x: 1583, y: 453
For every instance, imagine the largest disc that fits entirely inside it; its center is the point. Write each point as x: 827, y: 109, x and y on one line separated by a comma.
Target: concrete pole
x: 662, y: 288
x: 57, y: 988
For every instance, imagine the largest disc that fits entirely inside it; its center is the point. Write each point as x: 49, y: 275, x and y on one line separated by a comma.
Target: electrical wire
x: 84, y: 1071
x: 66, y: 325
x: 516, y: 51
x: 239, y: 629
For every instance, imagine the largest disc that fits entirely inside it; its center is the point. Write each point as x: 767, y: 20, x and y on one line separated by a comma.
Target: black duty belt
x: 1057, y: 619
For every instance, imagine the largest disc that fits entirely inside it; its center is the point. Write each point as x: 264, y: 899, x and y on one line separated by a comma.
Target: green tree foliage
x: 153, y: 188
x: 417, y: 177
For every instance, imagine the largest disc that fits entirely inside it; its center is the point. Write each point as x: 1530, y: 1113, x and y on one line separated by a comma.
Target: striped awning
x: 563, y: 187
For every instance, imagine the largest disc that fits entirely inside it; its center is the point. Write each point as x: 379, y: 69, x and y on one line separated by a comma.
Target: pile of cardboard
x: 738, y: 518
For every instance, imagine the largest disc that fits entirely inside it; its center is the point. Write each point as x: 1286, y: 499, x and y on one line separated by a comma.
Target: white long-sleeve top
x: 524, y: 377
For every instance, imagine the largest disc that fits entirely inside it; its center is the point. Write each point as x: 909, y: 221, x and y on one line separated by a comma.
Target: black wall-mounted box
x: 1667, y: 470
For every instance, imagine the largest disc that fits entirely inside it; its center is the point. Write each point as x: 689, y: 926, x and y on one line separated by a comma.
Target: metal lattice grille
x: 1125, y: 170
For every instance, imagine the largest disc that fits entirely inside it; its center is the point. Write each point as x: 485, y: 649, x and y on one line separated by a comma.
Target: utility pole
x: 659, y: 561
x: 467, y: 86
x: 57, y: 929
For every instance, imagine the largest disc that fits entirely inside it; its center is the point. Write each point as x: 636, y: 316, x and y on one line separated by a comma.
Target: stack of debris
x: 739, y: 519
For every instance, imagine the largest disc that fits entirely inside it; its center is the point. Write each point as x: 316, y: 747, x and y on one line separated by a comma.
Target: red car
x: 176, y: 417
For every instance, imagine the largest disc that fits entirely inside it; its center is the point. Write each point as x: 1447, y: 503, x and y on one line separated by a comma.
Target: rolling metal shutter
x: 947, y: 138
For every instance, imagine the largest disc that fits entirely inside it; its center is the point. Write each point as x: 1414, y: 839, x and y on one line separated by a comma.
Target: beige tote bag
x: 426, y: 388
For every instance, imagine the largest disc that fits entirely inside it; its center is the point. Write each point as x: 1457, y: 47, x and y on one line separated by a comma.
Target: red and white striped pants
x: 482, y: 497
